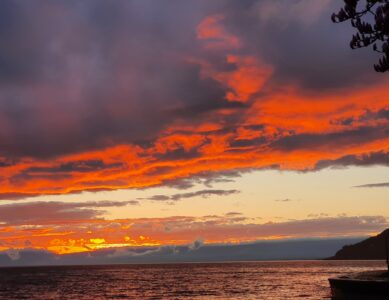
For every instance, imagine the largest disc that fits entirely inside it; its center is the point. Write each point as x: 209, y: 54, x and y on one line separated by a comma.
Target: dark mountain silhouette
x: 369, y: 249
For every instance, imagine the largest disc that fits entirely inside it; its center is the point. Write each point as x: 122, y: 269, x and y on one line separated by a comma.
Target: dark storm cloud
x: 78, y: 77
x: 20, y: 64
x: 55, y: 212
x: 363, y: 160
x: 98, y: 73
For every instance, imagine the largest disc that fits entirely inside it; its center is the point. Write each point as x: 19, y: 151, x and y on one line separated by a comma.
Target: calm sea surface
x: 248, y: 280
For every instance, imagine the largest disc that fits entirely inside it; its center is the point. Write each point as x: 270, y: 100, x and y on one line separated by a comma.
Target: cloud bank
x: 133, y: 94
x: 68, y: 228
x: 194, y: 252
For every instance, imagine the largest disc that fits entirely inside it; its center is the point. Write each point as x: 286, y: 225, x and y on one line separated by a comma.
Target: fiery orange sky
x: 128, y: 124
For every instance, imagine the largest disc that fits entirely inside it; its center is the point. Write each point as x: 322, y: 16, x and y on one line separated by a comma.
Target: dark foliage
x: 371, y: 19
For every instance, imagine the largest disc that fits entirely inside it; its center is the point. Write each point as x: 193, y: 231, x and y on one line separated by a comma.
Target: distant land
x: 290, y: 249
x: 370, y: 249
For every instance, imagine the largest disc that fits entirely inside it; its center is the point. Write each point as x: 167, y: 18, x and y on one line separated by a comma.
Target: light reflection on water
x: 248, y: 280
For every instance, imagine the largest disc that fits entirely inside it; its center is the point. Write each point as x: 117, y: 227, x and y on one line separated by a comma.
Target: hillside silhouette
x: 373, y: 248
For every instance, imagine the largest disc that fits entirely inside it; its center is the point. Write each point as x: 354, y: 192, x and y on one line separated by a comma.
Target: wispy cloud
x: 285, y: 200
x: 201, y: 193
x: 37, y: 213
x: 373, y: 185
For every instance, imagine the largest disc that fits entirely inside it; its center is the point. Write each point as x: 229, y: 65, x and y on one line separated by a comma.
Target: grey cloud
x: 374, y: 185
x: 318, y: 55
x: 284, y: 200
x: 180, y: 184
x: 151, y: 252
x: 363, y: 160
x: 75, y: 166
x: 5, y: 163
x: 87, y: 52
x: 16, y: 196
x: 63, y: 170
x: 335, y: 225
x: 333, y: 139
x: 19, y: 196
x: 368, y: 115
x: 320, y: 215
x: 136, y: 55
x: 383, y: 113
x: 55, y: 212
x: 213, y: 227
x: 208, y: 179
x: 178, y: 154
x: 233, y: 214
x: 159, y: 198
x: 248, y: 142
x: 201, y: 193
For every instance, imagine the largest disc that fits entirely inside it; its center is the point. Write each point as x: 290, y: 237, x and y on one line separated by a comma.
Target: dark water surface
x: 248, y: 280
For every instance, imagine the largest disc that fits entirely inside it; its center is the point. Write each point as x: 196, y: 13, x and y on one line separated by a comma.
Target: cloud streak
x: 35, y: 213
x: 201, y: 193
x: 373, y: 185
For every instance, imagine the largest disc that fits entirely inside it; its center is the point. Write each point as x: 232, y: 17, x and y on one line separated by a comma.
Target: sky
x: 145, y: 125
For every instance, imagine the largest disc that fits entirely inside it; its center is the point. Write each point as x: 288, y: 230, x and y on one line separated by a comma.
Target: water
x: 248, y: 280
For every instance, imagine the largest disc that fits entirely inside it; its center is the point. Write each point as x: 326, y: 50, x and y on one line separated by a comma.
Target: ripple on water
x: 249, y: 280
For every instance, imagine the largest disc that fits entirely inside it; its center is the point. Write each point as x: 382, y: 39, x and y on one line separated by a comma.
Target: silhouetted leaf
x: 368, y: 33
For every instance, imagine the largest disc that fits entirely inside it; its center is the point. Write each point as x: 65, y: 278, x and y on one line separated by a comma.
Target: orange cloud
x: 286, y: 129
x: 247, y: 79
x: 91, y: 235
x: 261, y: 123
x: 215, y: 35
